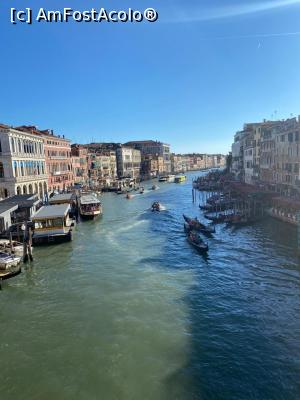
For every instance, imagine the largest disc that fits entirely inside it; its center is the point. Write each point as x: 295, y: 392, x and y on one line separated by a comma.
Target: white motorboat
x: 89, y: 206
x: 8, y: 261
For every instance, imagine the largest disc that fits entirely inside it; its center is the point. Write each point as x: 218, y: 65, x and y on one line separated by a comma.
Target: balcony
x: 21, y: 179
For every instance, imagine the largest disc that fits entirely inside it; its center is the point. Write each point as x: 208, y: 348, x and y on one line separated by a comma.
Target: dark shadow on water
x: 244, y: 316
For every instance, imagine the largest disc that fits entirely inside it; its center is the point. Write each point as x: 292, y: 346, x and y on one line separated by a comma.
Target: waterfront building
x: 246, y: 152
x: 248, y: 157
x: 195, y: 162
x: 128, y: 162
x: 103, y: 168
x: 237, y: 150
x: 268, y: 153
x: 58, y: 158
x: 287, y: 158
x: 154, y: 148
x: 22, y: 163
x: 80, y: 164
x: 151, y: 166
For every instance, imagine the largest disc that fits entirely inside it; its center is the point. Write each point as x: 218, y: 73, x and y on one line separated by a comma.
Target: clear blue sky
x: 192, y: 79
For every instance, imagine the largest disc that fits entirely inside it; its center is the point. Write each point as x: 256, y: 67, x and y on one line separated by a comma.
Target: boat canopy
x: 51, y: 212
x: 62, y: 198
x: 89, y: 199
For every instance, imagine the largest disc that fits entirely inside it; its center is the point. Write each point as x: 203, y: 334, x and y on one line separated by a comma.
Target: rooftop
x: 56, y: 211
x: 35, y: 131
x: 7, y: 207
x: 22, y: 200
x: 89, y: 198
x: 61, y: 197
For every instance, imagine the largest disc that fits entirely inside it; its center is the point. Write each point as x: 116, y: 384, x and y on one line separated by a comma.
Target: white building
x: 128, y: 162
x: 22, y: 163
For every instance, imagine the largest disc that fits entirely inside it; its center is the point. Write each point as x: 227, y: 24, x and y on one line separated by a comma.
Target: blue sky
x: 191, y: 79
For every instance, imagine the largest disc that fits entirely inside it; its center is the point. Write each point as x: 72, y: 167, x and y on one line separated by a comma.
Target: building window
x: 1, y: 170
x: 16, y: 168
x: 290, y: 137
x: 13, y: 145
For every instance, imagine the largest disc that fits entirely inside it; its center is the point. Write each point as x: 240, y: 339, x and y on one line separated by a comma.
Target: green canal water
x: 129, y: 311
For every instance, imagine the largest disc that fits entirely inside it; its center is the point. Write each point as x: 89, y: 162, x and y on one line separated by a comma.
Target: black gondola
x: 195, y: 240
x: 216, y: 219
x: 198, y: 226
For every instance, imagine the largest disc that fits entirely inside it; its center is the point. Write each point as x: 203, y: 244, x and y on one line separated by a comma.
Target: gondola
x: 206, y: 207
x: 239, y: 220
x: 195, y: 240
x: 198, y: 226
x: 216, y: 219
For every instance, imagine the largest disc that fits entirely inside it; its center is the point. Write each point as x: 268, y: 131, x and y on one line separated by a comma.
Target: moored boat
x: 217, y: 218
x: 8, y: 261
x: 12, y: 247
x: 89, y: 207
x: 9, y: 272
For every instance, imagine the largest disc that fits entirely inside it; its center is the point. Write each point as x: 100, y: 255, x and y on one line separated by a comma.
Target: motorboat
x: 11, y: 247
x: 156, y: 206
x: 89, y: 207
x: 180, y: 178
x: 171, y: 178
x: 8, y: 261
x: 163, y: 178
x: 154, y: 187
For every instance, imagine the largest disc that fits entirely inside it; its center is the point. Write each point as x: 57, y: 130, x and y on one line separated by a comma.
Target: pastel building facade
x: 22, y: 163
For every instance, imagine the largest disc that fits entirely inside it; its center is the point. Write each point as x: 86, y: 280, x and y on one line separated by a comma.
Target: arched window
x: 1, y: 170
x: 16, y: 168
x: 20, y: 146
x: 13, y: 149
x: 22, y: 168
